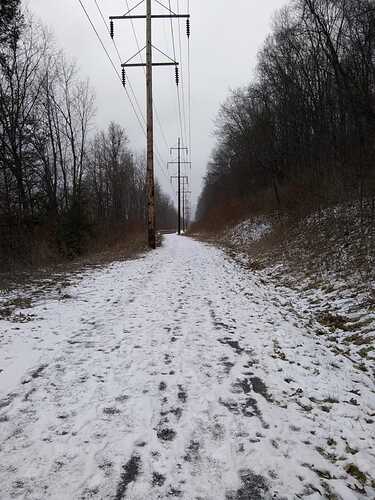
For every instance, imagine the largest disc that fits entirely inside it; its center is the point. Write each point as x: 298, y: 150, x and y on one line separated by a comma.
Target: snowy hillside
x: 247, y: 232
x: 322, y: 261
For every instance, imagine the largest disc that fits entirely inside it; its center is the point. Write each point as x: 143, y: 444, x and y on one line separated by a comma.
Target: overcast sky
x: 225, y: 38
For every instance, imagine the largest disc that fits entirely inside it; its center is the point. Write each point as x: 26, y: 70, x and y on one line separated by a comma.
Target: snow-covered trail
x: 179, y: 375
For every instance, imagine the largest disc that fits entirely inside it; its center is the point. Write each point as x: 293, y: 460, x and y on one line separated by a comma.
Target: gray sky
x: 226, y: 36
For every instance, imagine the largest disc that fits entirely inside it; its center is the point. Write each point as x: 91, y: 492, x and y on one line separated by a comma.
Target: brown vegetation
x: 300, y: 137
x: 64, y: 189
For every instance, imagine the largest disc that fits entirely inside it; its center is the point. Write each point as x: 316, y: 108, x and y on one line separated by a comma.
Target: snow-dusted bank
x: 179, y: 374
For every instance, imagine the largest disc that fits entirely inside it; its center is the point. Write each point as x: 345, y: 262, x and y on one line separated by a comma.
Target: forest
x: 300, y: 136
x: 63, y: 184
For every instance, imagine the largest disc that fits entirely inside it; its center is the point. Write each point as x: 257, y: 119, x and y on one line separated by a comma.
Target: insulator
x: 123, y: 78
x: 112, y: 29
x: 188, y: 27
x: 177, y: 76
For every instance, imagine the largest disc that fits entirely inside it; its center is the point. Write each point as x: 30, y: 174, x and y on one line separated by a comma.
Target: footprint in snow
x: 166, y: 434
x: 162, y: 386
x: 167, y: 359
x: 182, y: 395
x: 158, y: 479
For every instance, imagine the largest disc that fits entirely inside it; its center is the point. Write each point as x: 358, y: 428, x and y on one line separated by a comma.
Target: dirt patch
x: 359, y: 340
x: 129, y: 475
x: 38, y: 372
x: 35, y: 374
x: 192, y: 452
x: 7, y: 400
x: 219, y: 325
x: 253, y: 384
x: 177, y: 412
x: 101, y: 254
x: 157, y: 479
x: 260, y: 387
x: 166, y: 434
x: 182, y: 395
x: 250, y: 409
x: 242, y: 386
x: 234, y: 344
x: 228, y: 365
x: 111, y: 411
x: 333, y: 321
x: 122, y: 398
x: 230, y: 405
x: 167, y: 359
x: 174, y: 492
x: 254, y: 487
x: 8, y: 308
x: 356, y: 473
x: 278, y: 353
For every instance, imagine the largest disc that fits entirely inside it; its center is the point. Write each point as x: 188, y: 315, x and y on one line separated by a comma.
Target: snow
x: 325, y: 268
x: 248, y: 231
x: 179, y: 375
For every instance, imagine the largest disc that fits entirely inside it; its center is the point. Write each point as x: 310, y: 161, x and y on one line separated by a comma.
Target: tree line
x: 301, y: 135
x: 61, y: 184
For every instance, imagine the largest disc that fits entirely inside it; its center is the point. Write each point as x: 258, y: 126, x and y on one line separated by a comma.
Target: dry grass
x: 330, y: 244
x: 328, y: 258
x: 99, y: 252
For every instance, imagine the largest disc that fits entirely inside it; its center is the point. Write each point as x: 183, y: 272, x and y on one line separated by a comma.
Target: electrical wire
x: 112, y: 63
x: 177, y: 88
x: 118, y: 74
x: 182, y: 73
x: 157, y: 154
x: 141, y: 59
x: 189, y: 87
x: 119, y: 58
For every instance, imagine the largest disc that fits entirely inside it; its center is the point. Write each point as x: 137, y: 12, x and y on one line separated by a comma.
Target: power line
x: 111, y: 62
x: 182, y: 73
x: 150, y: 179
x: 119, y: 58
x: 189, y: 83
x: 120, y: 79
x: 141, y: 59
x: 158, y: 157
x: 177, y: 89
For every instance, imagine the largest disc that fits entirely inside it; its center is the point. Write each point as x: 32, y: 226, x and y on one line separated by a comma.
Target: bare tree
x: 304, y: 129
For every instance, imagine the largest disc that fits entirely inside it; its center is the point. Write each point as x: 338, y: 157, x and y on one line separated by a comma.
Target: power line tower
x: 179, y: 177
x: 184, y: 179
x: 150, y: 177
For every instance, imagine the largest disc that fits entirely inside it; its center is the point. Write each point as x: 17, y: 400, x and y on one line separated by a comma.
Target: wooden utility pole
x: 179, y: 185
x: 150, y: 176
x: 150, y: 134
x: 183, y: 202
x: 179, y: 163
